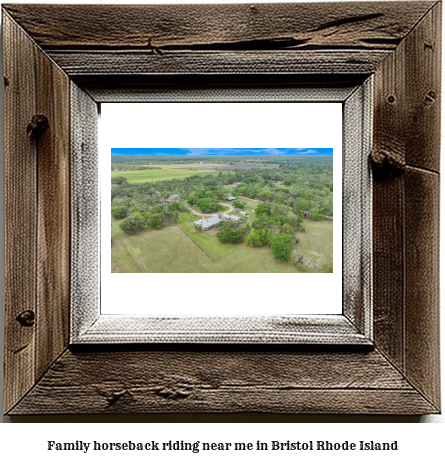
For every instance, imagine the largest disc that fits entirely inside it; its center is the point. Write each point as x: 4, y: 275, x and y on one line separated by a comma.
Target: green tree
x: 281, y: 245
x: 119, y: 180
x: 208, y: 205
x: 130, y: 225
x: 264, y: 208
x: 258, y: 237
x: 232, y: 231
x: 118, y: 212
x: 238, y: 204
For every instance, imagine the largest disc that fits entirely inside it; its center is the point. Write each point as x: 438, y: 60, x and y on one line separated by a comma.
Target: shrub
x: 118, y: 212
x: 130, y: 225
x: 281, y: 245
x: 119, y: 180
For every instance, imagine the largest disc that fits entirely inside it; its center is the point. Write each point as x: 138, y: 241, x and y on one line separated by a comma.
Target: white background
x: 211, y: 125
x: 25, y: 443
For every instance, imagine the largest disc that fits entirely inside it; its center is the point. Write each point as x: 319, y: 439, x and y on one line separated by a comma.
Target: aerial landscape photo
x: 229, y: 210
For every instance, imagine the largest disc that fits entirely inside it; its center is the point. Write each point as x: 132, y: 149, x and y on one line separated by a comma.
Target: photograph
x: 222, y: 210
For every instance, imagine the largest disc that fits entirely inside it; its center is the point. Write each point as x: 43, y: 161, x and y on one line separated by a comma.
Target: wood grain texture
x: 263, y: 38
x: 388, y: 268
x: 422, y: 364
x: 20, y: 211
x: 37, y: 213
x: 406, y: 132
x: 356, y: 213
x: 79, y: 63
x: 215, y: 87
x: 85, y: 211
x: 423, y: 91
x: 388, y: 200
x: 109, y: 329
x: 154, y: 27
x: 408, y: 83
x: 218, y: 381
x: 53, y: 194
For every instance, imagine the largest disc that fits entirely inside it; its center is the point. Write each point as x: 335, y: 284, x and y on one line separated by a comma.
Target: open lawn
x: 206, y: 240
x: 180, y: 249
x: 315, y: 245
x: 139, y: 176
x: 250, y: 206
x: 168, y: 250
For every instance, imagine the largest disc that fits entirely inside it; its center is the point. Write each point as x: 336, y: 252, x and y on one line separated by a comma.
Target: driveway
x: 208, y: 215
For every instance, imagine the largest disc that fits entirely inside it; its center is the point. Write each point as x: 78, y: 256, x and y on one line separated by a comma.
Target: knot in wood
x: 115, y: 396
x: 112, y: 395
x: 37, y: 126
x: 172, y: 393
x: 389, y: 163
x: 26, y: 318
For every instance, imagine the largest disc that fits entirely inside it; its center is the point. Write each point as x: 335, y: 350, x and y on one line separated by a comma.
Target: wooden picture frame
x: 56, y: 70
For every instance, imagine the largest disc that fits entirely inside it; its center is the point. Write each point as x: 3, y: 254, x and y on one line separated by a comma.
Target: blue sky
x: 229, y: 151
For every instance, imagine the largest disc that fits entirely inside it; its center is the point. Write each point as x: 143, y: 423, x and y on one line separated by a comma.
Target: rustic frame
x: 102, y: 50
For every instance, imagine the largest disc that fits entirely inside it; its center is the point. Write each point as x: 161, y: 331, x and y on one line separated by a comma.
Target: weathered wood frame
x: 103, y: 50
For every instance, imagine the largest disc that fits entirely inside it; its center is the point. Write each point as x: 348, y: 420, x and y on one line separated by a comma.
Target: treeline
x: 165, y: 159
x: 152, y: 217
x: 130, y: 167
x: 217, y: 159
x: 304, y: 187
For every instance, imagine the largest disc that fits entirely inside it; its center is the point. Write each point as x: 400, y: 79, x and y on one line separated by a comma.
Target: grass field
x: 207, y: 240
x: 250, y: 206
x: 180, y: 249
x: 139, y: 176
x: 210, y: 166
x: 315, y: 245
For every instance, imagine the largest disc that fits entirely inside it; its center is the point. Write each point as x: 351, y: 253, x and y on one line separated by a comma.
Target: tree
x: 130, y: 225
x: 281, y: 245
x: 119, y: 180
x: 118, y: 212
x: 264, y: 208
x: 208, y: 205
x: 232, y: 231
x: 155, y: 221
x: 258, y: 237
x: 238, y: 204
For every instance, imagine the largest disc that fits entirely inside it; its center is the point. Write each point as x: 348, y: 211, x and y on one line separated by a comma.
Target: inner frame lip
x: 353, y: 327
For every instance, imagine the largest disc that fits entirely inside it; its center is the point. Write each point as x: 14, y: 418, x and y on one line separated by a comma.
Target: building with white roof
x: 208, y: 223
